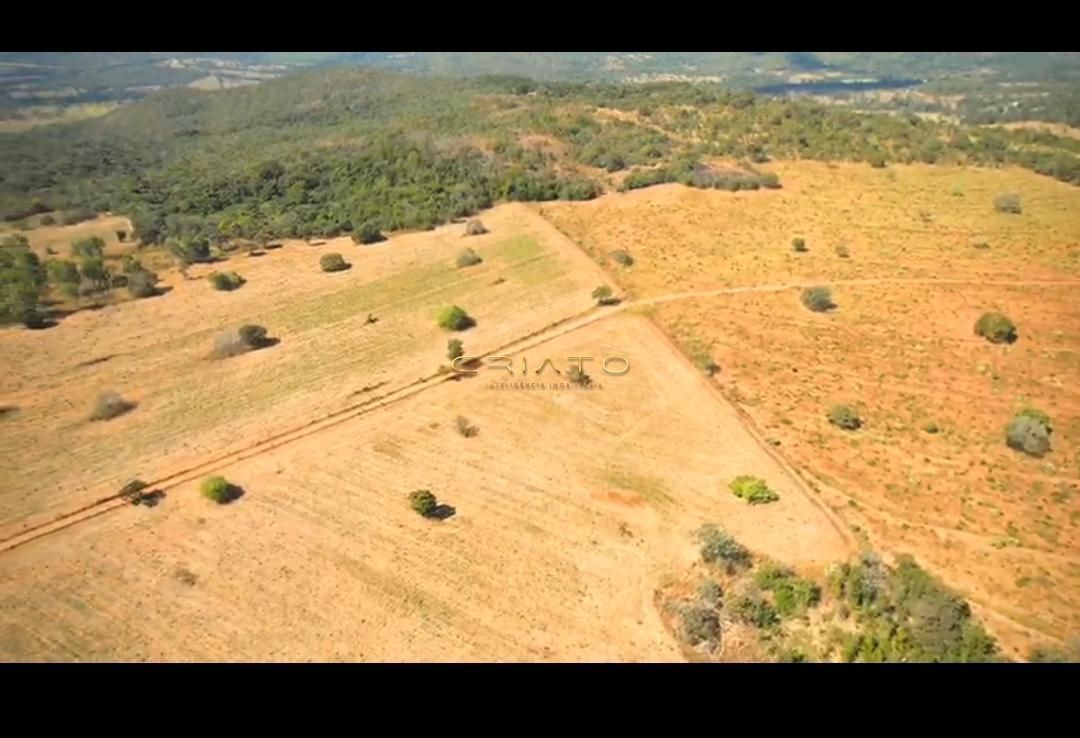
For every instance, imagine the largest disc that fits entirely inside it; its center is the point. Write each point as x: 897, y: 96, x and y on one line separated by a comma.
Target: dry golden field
x: 998, y: 526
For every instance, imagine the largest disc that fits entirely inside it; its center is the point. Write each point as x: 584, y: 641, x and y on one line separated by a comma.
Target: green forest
x: 357, y: 151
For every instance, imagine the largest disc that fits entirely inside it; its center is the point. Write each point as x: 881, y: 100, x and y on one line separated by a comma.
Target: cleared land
x: 998, y: 526
x: 584, y: 499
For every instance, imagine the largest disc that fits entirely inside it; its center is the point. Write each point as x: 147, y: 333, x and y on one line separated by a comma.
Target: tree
x: 110, y: 405
x: 464, y: 427
x: 94, y: 272
x: 1029, y: 432
x: 603, y: 295
x: 842, y: 251
x: 218, y: 489
x: 818, y: 299
x: 423, y: 502
x: 1008, y: 202
x: 226, y: 281
x: 454, y: 349
x: 845, y: 417
x: 753, y: 490
x: 995, y: 328
x: 475, y: 228
x: 88, y: 248
x: 701, y: 625
x: 62, y: 272
x: 254, y: 336
x: 332, y: 263
x: 719, y: 547
x: 142, y: 283
x: 799, y: 244
x: 468, y: 258
x: 368, y: 233
x: 622, y: 258
x: 22, y: 279
x: 454, y: 318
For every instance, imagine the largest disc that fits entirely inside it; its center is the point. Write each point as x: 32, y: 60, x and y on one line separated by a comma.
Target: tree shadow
x: 232, y: 493
x: 43, y: 324
x: 91, y: 362
x: 256, y: 254
x: 8, y: 410
x: 606, y: 301
x: 443, y: 512
x: 266, y: 343
x: 274, y: 246
x: 149, y: 499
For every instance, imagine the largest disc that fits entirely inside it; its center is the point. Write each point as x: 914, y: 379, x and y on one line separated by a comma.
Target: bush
x: 423, y: 502
x: 818, y: 299
x: 333, y: 263
x: 455, y: 349
x: 603, y: 296
x: 845, y: 417
x: 931, y: 428
x: 718, y: 547
x: 464, y: 427
x: 219, y: 490
x: 842, y: 251
x: 468, y: 258
x: 792, y: 594
x: 88, y: 248
x: 368, y: 233
x: 62, y: 272
x: 1008, y: 202
x: 48, y: 220
x: 131, y: 264
x: 711, y: 593
x: 454, y: 318
x: 700, y: 625
x: 622, y: 258
x: 995, y: 328
x: 142, y: 283
x: 753, y: 490
x: 799, y: 244
x: 254, y: 336
x: 80, y: 215
x: 877, y: 161
x: 754, y: 610
x: 110, y: 405
x: 226, y: 281
x: 1029, y: 432
x: 475, y: 228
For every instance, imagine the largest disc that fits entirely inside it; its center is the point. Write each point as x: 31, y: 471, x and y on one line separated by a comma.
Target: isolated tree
x: 1029, y: 432
x: 253, y: 335
x: 454, y: 318
x: 995, y: 328
x: 719, y: 547
x: 142, y: 283
x: 109, y: 405
x: 799, y: 244
x: 423, y: 502
x: 333, y: 263
x: 845, y: 417
x: 603, y: 295
x: 622, y: 258
x: 475, y: 228
x: 226, y: 281
x: 464, y: 427
x: 22, y: 279
x: 93, y: 271
x: 1008, y: 202
x: 454, y: 349
x: 753, y: 490
x: 818, y: 299
x: 468, y: 258
x: 218, y: 489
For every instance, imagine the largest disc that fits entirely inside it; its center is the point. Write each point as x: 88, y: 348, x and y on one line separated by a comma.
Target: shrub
x: 799, y: 244
x: 1029, y: 432
x: 700, y: 625
x: 332, y: 263
x: 622, y: 258
x: 464, y: 427
x: 711, y: 593
x: 718, y: 547
x: 1008, y: 202
x: 842, y: 251
x: 110, y: 405
x: 131, y: 264
x: 577, y: 375
x: 931, y: 427
x: 132, y: 491
x: 219, y: 490
x: 995, y: 328
x: 62, y: 272
x: 792, y: 594
x: 48, y: 220
x: 468, y: 258
x: 818, y: 299
x: 754, y: 610
x: 454, y: 318
x: 88, y: 248
x: 368, y: 233
x: 603, y: 296
x: 455, y: 349
x: 142, y: 283
x: 254, y: 336
x: 77, y: 216
x: 423, y: 502
x: 226, y: 281
x: 877, y: 161
x: 475, y: 228
x: 753, y: 490
x: 981, y: 245
x: 845, y: 417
